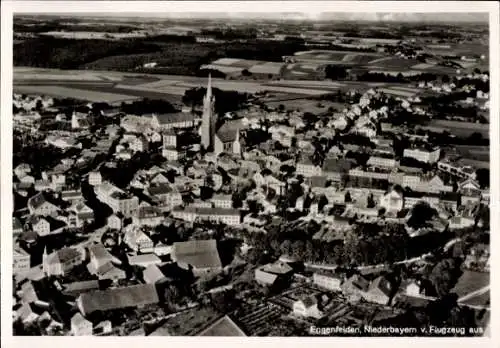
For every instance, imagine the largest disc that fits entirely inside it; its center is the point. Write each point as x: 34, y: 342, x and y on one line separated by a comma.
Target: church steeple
x: 208, y: 118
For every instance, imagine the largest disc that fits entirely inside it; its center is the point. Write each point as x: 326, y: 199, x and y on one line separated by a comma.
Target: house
x: 39, y: 205
x: 137, y: 240
x: 228, y: 216
x: 449, y: 200
x: 379, y: 291
x: 79, y: 287
x: 17, y: 227
x: 22, y: 170
x: 200, y: 256
x: 470, y: 192
x: 99, y: 256
x: 103, y: 328
x: 224, y: 326
x: 153, y: 274
x: 335, y: 169
x: 117, y: 298
x: 392, y: 201
x: 71, y: 195
x: 307, y: 307
x: 164, y: 195
x: 354, y: 287
x: 460, y: 222
x: 83, y: 214
x: 114, y: 222
x: 172, y: 153
x: 21, y: 261
x: 381, y: 162
x: 275, y: 274
x: 169, y: 139
x: 222, y: 201
x: 95, y: 178
x: 327, y: 281
x: 147, y: 216
x: 108, y: 271
x: 423, y: 155
x: 44, y: 226
x: 412, y: 288
x: 116, y: 199
x: 144, y: 260
x: 307, y: 168
x: 80, y: 326
x: 61, y: 261
x: 139, y: 144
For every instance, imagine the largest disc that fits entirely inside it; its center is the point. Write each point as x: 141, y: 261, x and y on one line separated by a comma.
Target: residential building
x: 381, y: 162
x: 307, y: 168
x: 144, y: 260
x: 147, y: 216
x: 139, y: 144
x: 117, y: 298
x: 39, y: 205
x: 392, y: 201
x: 44, y: 226
x: 80, y: 326
x: 114, y: 222
x: 224, y: 326
x: 117, y: 199
x: 200, y: 256
x: 61, y: 261
x: 222, y: 201
x: 330, y: 282
x: 165, y: 195
x: 307, y: 307
x: 423, y: 155
x: 354, y: 287
x: 379, y: 291
x: 169, y: 139
x: 137, y: 240
x: 22, y: 261
x: 172, y: 154
x: 277, y: 274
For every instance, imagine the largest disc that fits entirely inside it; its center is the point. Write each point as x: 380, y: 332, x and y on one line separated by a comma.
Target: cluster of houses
x: 336, y: 189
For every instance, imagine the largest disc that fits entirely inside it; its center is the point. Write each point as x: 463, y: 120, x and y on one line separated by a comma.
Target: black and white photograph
x: 253, y: 174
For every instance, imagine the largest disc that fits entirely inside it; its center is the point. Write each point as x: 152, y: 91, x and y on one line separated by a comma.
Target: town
x: 240, y: 211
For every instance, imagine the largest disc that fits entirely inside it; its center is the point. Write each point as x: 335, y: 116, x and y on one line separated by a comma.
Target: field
x: 67, y: 92
x: 303, y: 105
x: 461, y: 129
x: 471, y: 281
x: 258, y: 319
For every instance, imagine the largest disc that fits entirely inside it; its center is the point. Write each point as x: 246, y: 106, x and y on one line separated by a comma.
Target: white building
x: 95, y: 178
x: 117, y: 199
x: 423, y: 155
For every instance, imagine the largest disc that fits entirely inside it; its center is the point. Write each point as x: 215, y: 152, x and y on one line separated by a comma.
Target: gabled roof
x: 159, y: 189
x: 381, y: 284
x: 337, y: 165
x: 130, y: 296
x: 224, y: 327
x: 197, y: 253
x: 37, y: 201
x: 174, y: 117
x: 63, y: 255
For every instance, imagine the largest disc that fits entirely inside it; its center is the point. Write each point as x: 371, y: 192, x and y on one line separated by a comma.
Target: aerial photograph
x: 230, y: 174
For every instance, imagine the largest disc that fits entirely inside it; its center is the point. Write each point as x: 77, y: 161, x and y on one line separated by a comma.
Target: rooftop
x: 198, y: 253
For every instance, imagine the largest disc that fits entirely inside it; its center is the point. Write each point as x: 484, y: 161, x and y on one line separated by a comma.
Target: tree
x: 347, y: 197
x: 421, y: 213
x: 483, y: 177
x: 445, y: 275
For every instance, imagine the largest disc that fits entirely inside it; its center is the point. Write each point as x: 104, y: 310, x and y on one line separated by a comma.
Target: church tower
x: 208, y: 121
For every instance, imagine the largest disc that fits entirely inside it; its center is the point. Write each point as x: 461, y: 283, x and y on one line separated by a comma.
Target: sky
x: 343, y: 16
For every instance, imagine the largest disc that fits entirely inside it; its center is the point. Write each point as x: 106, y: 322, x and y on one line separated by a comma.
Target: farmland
x: 471, y: 281
x: 461, y: 129
x: 67, y: 92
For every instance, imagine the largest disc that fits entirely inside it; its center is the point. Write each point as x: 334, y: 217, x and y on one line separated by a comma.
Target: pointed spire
x: 209, y: 86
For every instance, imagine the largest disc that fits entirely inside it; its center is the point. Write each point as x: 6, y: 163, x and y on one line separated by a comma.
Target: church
x: 224, y: 139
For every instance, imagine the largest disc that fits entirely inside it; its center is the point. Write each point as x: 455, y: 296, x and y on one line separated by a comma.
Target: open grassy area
x: 471, y: 281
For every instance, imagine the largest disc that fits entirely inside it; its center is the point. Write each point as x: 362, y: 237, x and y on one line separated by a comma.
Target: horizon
x: 380, y: 17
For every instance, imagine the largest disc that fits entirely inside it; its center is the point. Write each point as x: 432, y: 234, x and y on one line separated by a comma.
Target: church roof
x: 174, y: 117
x: 228, y: 131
